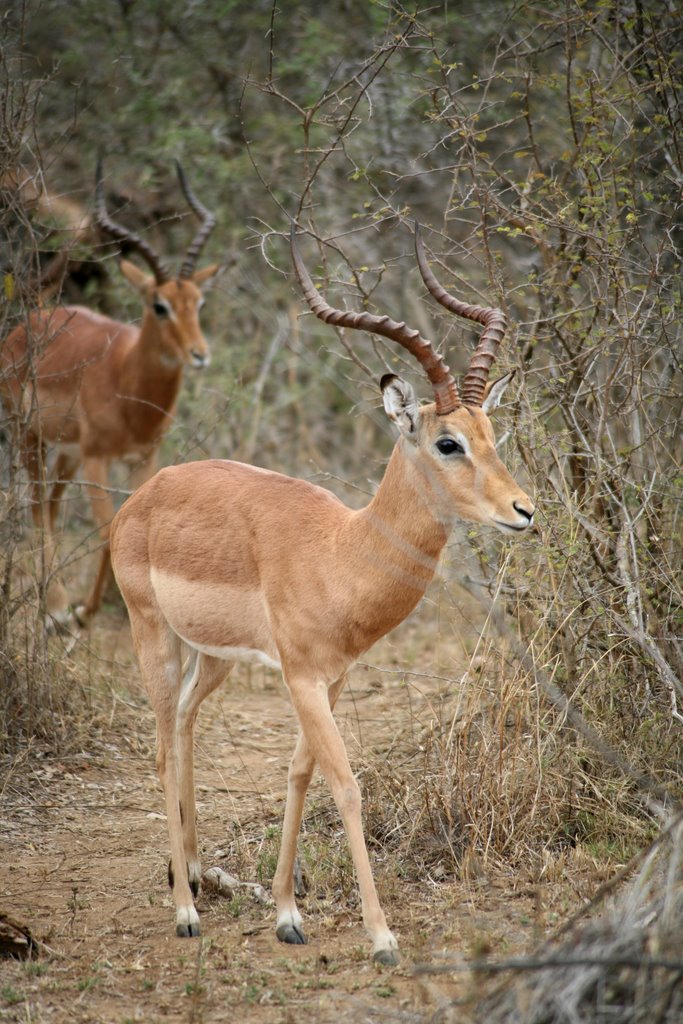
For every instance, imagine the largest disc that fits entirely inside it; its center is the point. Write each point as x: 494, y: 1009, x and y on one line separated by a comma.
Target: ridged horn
x: 443, y: 384
x: 208, y: 223
x: 121, y: 234
x: 494, y: 321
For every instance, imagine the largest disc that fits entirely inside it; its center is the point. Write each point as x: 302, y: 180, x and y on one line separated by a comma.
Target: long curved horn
x: 494, y: 321
x: 121, y: 234
x: 443, y: 384
x: 208, y: 223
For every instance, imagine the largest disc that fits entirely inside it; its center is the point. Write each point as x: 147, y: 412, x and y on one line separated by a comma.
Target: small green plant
x: 314, y: 984
x: 34, y: 969
x: 10, y: 995
x: 236, y: 906
x: 252, y: 993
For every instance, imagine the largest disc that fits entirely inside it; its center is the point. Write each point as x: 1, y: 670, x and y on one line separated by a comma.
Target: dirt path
x: 83, y: 849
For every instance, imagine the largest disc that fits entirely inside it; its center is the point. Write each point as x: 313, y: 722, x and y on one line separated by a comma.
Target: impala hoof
x: 386, y: 957
x: 60, y: 623
x: 188, y: 931
x: 187, y: 923
x: 82, y: 616
x: 290, y: 933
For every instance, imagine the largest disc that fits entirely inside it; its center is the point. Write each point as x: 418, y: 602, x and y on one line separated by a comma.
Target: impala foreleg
x: 96, y: 472
x: 289, y: 927
x: 65, y: 467
x: 203, y: 675
x: 101, y: 502
x: 289, y: 923
x: 327, y: 748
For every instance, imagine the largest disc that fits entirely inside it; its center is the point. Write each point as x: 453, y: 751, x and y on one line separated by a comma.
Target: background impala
x: 95, y: 389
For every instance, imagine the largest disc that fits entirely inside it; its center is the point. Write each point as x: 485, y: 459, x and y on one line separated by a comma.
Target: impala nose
x: 199, y: 359
x: 522, y: 511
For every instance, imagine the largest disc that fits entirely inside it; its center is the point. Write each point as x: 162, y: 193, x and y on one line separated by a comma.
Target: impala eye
x: 448, y: 446
x: 160, y: 309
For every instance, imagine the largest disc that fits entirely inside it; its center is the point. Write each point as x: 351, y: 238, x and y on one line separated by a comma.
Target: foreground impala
x: 96, y: 389
x: 244, y: 564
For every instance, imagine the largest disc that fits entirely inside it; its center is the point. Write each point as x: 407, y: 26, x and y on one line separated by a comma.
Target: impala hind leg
x: 158, y: 651
x: 289, y: 927
x: 203, y: 675
x: 325, y: 744
x: 56, y: 599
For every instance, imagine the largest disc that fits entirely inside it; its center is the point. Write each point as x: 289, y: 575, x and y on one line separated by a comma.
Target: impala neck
x: 151, y: 377
x: 396, y: 540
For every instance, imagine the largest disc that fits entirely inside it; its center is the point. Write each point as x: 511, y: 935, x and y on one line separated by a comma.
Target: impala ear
x: 494, y: 392
x: 202, y: 278
x: 400, y: 404
x: 133, y: 275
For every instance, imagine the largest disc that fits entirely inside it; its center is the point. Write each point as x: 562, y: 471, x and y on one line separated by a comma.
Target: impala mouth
x: 198, y: 360
x: 510, y: 528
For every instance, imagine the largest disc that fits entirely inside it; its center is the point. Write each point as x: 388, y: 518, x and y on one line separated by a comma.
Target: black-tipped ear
x: 400, y: 404
x: 494, y: 392
x: 386, y: 380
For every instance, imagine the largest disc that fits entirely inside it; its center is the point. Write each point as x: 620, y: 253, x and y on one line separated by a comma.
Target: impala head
x: 451, y: 441
x: 171, y: 304
x: 456, y: 457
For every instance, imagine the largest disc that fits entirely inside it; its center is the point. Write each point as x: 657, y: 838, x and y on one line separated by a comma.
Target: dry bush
x: 41, y: 697
x: 624, y: 965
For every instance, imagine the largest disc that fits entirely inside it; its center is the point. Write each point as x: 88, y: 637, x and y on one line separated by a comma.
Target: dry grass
x: 486, y: 772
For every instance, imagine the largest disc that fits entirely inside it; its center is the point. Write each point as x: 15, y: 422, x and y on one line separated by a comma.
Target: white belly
x: 247, y: 654
x: 218, y: 619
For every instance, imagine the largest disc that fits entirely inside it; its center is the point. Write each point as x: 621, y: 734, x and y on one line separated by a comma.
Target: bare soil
x: 83, y: 850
